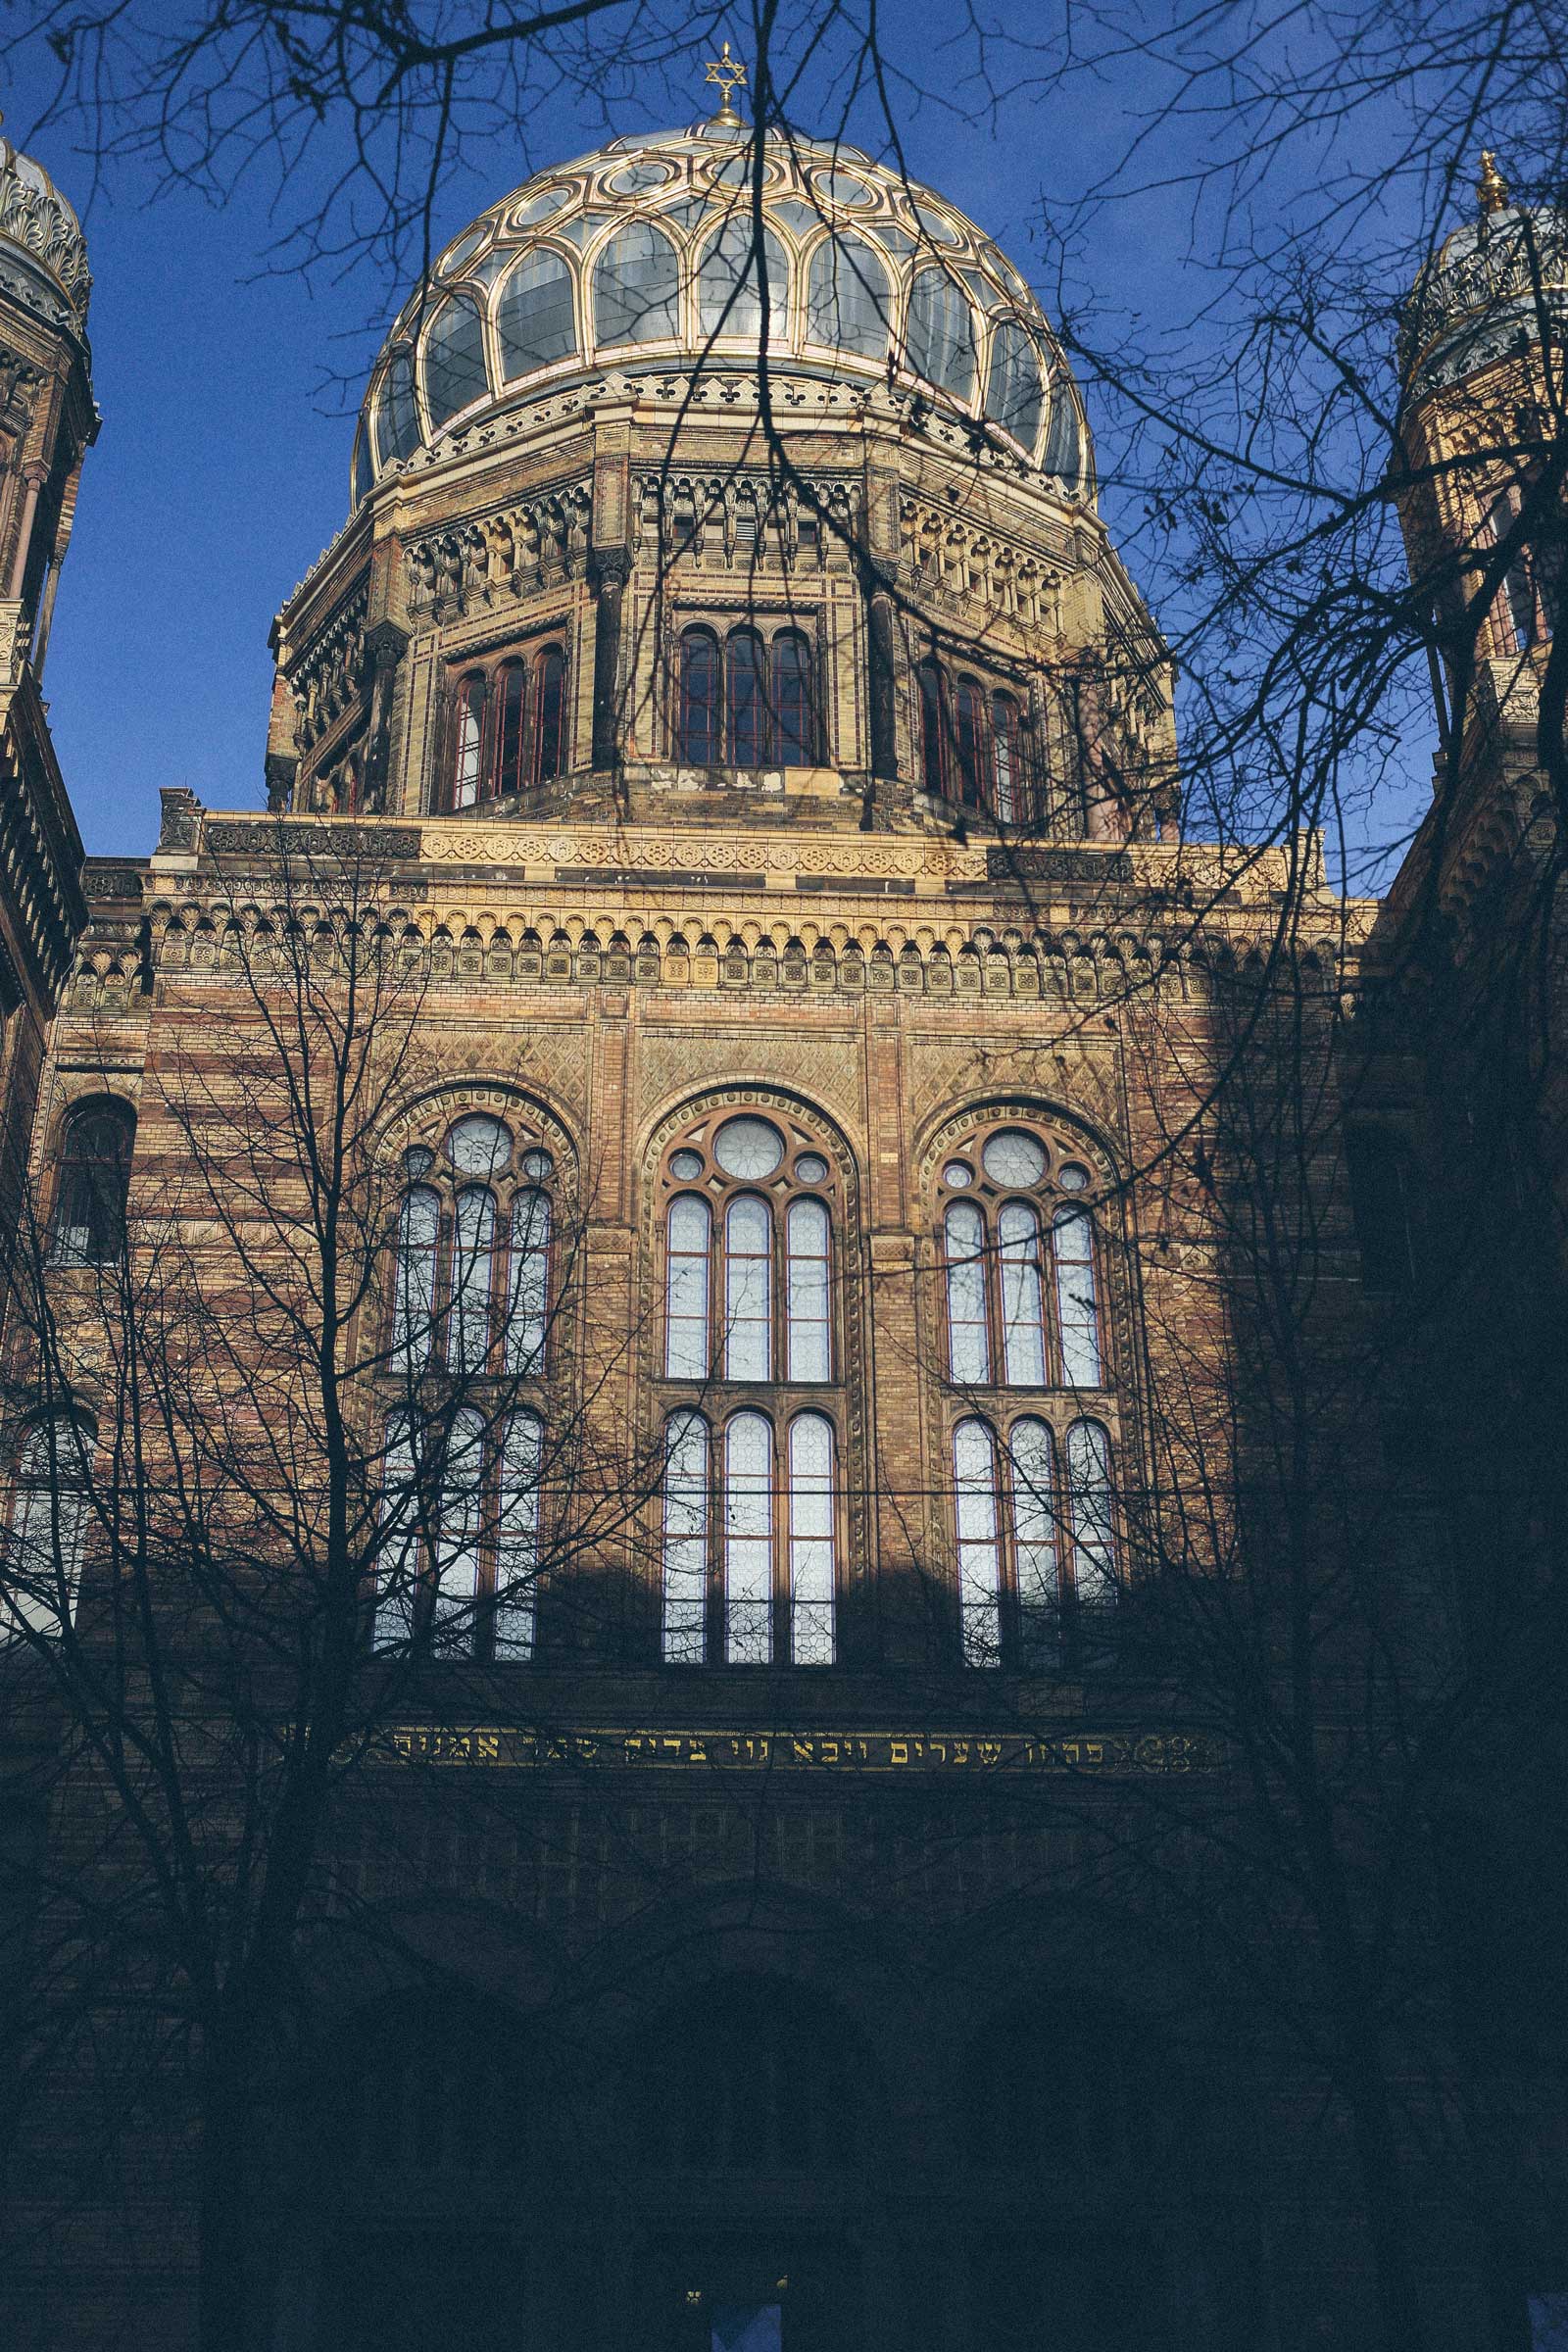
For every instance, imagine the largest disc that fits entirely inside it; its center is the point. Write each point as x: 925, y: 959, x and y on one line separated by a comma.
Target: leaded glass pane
x: 455, y: 370
x: 469, y: 742
x: 748, y: 1541
x: 685, y: 1539
x: 1089, y: 1512
x: 636, y: 294
x: 940, y: 339
x: 1013, y: 1158
x: 811, y: 1539
x: 847, y: 301
x: 398, y: 1531
x: 48, y: 1526
x: 457, y: 1532
x: 518, y: 1536
x: 806, y: 1310
x: 397, y: 418
x: 528, y: 1284
x: 729, y: 285
x: 474, y: 1242
x: 1023, y: 1310
x: 686, y: 1347
x: 1034, y: 1540
x: 1014, y: 391
x: 748, y: 1147
x: 974, y: 1472
x: 1064, y: 452
x: 414, y: 1310
x: 478, y: 1144
x: 536, y: 321
x: 747, y: 1290
x: 1077, y: 1309
x: 968, y: 1344
x: 700, y: 710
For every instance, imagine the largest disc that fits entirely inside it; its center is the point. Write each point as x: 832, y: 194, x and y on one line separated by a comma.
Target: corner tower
x: 47, y: 423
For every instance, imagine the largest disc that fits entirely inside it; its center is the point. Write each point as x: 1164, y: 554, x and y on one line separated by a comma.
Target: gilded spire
x: 1491, y: 187
x: 730, y: 73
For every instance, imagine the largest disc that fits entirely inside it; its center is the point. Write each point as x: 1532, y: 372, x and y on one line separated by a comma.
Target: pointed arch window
x: 848, y: 303
x: 636, y: 287
x: 456, y: 372
x: 940, y: 338
x: 535, y: 319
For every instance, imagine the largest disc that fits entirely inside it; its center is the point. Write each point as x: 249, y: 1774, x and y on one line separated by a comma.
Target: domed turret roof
x: 43, y: 253
x: 635, y: 258
x: 1482, y: 294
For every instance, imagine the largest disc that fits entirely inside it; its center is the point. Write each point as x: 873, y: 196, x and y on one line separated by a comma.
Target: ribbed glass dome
x: 641, y: 255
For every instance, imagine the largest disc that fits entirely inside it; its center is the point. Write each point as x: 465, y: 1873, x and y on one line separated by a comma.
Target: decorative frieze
x: 520, y: 547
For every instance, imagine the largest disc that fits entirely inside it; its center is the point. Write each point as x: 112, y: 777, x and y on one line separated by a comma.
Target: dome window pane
x: 941, y: 339
x: 363, y: 479
x: 397, y: 420
x: 936, y: 225
x: 536, y: 321
x: 455, y: 370
x: 841, y: 187
x: 729, y: 287
x: 544, y: 207
x: 847, y: 300
x: 637, y: 178
x: 635, y: 287
x: 463, y: 251
x: 1062, y: 456
x: 1014, y: 393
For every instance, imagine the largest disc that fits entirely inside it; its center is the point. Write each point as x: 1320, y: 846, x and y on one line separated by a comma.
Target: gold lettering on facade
x: 1087, y: 1755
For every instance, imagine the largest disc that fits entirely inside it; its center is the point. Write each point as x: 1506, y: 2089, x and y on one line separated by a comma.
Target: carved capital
x: 385, y: 644
x: 609, y: 568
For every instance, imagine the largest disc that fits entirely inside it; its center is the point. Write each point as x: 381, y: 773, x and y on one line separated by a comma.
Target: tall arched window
x: 728, y: 284
x: 687, y: 1351
x: 973, y: 765
x: 419, y: 1254
x: 457, y: 1532
x: 400, y: 1534
x: 1008, y: 794
x: 974, y: 1480
x: 747, y: 699
x: 527, y: 1315
x: 50, y: 1504
x: 1023, y: 1305
x: 511, y: 727
x: 397, y: 415
x: 685, y: 1564
x: 473, y: 1255
x: 535, y: 320
x: 749, y: 1302
x: 516, y: 1570
x: 1015, y: 392
x: 1091, y: 1519
x: 1032, y: 1467
x: 847, y: 302
x: 749, y: 1541
x: 813, y: 1561
x: 467, y: 750
x: 968, y: 1340
x: 747, y: 1290
x: 89, y: 1226
x: 808, y: 1318
x: 792, y: 699
x: 549, y: 708
x: 701, y: 714
x: 1524, y: 619
x: 1077, y: 1305
x: 933, y: 730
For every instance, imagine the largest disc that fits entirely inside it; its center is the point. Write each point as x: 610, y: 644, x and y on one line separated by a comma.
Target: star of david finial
x: 729, y: 73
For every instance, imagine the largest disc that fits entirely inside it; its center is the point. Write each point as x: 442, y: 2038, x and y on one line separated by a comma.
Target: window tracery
x: 1030, y: 1450
x: 750, y: 1510
x: 474, y: 1294
x: 747, y: 702
x: 975, y: 747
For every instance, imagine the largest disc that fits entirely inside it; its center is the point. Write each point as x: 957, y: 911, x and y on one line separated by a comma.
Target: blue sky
x: 222, y: 469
